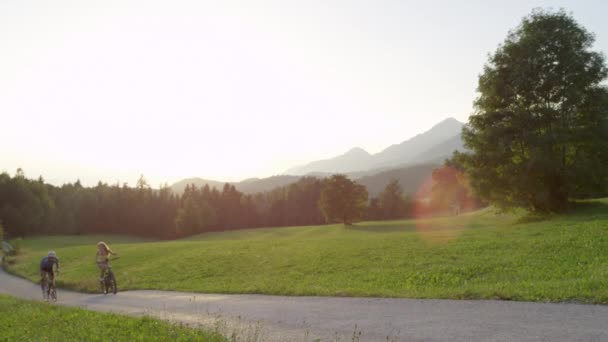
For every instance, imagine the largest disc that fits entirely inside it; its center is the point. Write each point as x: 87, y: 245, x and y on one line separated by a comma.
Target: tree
x: 374, y: 212
x: 142, y: 183
x: 20, y: 173
x: 230, y: 208
x: 25, y: 205
x: 342, y: 200
x: 391, y: 201
x: 188, y: 220
x: 539, y: 133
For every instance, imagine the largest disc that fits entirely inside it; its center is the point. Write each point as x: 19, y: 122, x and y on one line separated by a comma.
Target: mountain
x: 433, y: 145
x: 440, y: 152
x: 179, y: 187
x: 412, y: 179
x: 247, y: 186
x: 406, y: 151
x: 349, y: 161
x: 411, y: 162
x: 254, y: 185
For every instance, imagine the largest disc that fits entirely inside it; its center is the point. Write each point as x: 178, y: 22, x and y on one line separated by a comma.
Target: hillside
x: 247, y: 186
x: 179, y: 187
x: 411, y: 162
x: 353, y: 160
x: 438, y: 153
x: 407, y: 151
x: 254, y: 185
x: 440, y: 141
x: 411, y: 179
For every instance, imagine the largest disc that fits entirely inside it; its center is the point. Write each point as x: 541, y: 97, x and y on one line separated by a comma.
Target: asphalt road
x: 278, y: 318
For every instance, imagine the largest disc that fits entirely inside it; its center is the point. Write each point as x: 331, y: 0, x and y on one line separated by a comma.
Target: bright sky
x: 234, y: 89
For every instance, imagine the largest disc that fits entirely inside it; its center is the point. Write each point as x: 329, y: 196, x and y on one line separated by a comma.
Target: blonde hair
x: 105, y: 246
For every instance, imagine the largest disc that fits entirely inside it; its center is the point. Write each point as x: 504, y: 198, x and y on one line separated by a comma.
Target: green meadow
x: 480, y: 255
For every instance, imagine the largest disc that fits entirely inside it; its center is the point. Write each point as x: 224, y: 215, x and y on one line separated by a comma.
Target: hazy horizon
x: 111, y: 90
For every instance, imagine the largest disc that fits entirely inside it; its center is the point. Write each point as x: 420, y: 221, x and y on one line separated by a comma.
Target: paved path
x: 279, y: 318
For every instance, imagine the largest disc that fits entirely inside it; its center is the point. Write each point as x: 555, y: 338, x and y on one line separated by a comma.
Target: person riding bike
x: 46, y: 269
x: 103, y: 258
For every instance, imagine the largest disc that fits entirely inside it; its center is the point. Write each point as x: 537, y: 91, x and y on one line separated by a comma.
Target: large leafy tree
x: 343, y: 200
x: 539, y: 134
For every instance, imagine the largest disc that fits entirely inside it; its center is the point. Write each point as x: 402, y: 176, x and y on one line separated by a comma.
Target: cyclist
x: 46, y: 268
x: 103, y: 258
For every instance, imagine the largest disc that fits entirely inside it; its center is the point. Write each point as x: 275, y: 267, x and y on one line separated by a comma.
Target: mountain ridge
x: 406, y: 152
x: 247, y: 186
x: 411, y: 178
x: 410, y: 161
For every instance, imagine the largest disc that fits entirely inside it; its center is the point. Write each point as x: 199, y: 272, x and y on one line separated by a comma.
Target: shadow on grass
x: 383, y: 227
x: 579, y: 211
x: 586, y: 210
x: 414, y: 226
x: 534, y: 217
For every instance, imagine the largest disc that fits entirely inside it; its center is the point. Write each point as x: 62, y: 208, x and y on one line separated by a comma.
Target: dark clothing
x: 47, y: 271
x: 46, y: 264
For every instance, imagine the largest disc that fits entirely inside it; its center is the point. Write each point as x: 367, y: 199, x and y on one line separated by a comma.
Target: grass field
x: 22, y: 320
x: 478, y: 255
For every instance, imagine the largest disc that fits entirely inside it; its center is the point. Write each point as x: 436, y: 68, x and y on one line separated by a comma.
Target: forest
x: 32, y: 206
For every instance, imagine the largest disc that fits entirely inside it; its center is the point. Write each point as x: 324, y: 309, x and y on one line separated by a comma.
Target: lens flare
x: 441, y: 205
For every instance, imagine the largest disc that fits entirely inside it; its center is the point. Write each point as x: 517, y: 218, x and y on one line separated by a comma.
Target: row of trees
x: 208, y: 209
x: 29, y: 206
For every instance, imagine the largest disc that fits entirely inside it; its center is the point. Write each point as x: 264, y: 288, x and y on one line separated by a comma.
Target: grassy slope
x: 22, y: 320
x: 480, y: 255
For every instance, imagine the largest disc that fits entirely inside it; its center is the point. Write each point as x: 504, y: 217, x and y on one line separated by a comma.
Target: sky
x: 227, y: 90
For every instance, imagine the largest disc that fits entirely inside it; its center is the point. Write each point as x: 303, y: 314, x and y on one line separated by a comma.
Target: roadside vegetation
x: 23, y: 320
x: 479, y: 255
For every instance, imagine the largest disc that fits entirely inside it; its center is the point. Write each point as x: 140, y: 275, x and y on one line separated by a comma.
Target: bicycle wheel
x: 106, y: 285
x: 112, y: 279
x: 45, y: 291
x: 53, y: 293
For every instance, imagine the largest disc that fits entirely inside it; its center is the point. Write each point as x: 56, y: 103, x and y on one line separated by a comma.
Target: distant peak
x: 250, y: 180
x: 357, y: 151
x: 449, y: 122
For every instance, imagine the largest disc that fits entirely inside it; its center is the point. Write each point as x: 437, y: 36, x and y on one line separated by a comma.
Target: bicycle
x: 108, y: 281
x: 49, y: 292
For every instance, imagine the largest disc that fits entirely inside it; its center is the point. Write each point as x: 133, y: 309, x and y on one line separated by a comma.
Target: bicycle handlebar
x: 109, y: 259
